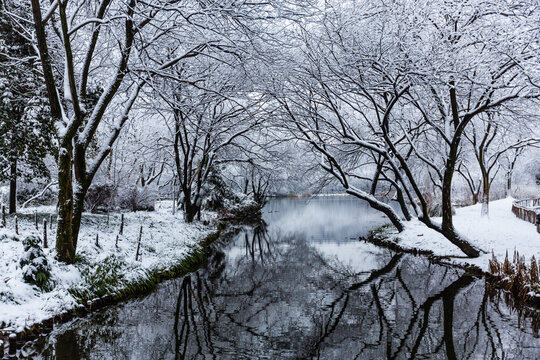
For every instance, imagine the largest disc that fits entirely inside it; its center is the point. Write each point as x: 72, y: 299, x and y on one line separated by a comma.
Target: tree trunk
x: 475, y: 198
x: 375, y: 180
x: 403, y: 204
x: 190, y: 209
x: 451, y: 235
x: 447, y: 227
x: 447, y: 221
x: 78, y: 208
x: 13, y: 186
x: 64, y: 240
x: 509, y: 182
x: 382, y: 207
x: 485, y: 195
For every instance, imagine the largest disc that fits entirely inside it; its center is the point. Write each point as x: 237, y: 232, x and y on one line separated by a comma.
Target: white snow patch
x: 165, y: 242
x: 499, y: 232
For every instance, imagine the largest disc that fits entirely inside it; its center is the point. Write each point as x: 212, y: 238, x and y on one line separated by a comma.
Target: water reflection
x: 276, y: 294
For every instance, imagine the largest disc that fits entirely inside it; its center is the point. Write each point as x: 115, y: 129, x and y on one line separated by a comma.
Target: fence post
x: 45, y: 244
x: 138, y: 245
x: 121, y: 232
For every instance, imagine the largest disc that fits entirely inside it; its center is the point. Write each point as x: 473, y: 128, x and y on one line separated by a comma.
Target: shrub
x: 137, y: 198
x: 241, y: 207
x: 99, y: 197
x: 34, y: 264
x: 103, y: 279
x: 215, y: 192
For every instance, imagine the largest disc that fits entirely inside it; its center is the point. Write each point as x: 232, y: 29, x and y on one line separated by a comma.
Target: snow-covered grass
x: 100, y: 270
x: 497, y: 233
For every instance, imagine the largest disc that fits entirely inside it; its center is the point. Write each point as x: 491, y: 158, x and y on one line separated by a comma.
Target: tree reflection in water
x: 270, y: 297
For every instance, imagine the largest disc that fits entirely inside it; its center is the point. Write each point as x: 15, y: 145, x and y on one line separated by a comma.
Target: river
x: 302, y: 286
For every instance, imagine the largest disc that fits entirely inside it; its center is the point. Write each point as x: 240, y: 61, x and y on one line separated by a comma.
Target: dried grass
x: 515, y: 276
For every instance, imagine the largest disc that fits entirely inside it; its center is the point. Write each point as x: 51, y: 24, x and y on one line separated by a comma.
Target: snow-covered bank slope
x: 499, y: 232
x: 166, y: 239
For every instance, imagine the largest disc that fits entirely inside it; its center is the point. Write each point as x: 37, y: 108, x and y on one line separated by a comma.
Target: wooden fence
x: 528, y: 210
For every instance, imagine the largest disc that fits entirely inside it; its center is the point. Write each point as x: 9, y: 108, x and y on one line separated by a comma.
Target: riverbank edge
x: 193, y: 261
x: 381, y: 237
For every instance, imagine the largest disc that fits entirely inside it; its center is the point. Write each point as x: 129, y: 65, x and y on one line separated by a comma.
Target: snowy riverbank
x: 101, y: 270
x: 499, y: 232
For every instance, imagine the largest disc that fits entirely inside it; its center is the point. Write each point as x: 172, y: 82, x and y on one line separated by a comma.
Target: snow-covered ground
x: 499, y: 232
x: 166, y: 239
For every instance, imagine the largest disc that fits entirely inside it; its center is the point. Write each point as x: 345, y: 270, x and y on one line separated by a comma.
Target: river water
x: 302, y: 286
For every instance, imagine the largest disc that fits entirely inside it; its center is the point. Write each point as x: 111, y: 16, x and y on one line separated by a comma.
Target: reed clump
x: 517, y: 276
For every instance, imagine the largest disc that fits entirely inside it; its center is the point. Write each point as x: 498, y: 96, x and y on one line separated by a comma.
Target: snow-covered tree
x: 390, y: 91
x: 24, y: 120
x: 492, y: 137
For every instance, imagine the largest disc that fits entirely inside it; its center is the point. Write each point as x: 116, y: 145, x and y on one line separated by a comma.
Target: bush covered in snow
x: 100, y: 196
x: 136, y: 198
x: 215, y: 192
x: 35, y: 267
x: 100, y: 280
x: 241, y: 207
x: 4, y: 195
x: 230, y: 205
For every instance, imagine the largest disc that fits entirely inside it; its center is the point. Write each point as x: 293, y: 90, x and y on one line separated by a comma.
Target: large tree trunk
x: 64, y: 240
x: 190, y: 211
x: 64, y: 244
x: 447, y: 227
x: 190, y: 208
x: 13, y: 186
x: 78, y: 208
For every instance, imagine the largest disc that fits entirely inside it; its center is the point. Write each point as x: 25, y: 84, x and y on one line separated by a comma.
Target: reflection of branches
x: 190, y: 319
x: 296, y: 305
x: 258, y: 243
x: 448, y: 295
x: 334, y: 316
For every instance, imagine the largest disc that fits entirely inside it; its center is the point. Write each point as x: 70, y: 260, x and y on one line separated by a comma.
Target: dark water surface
x: 304, y: 287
